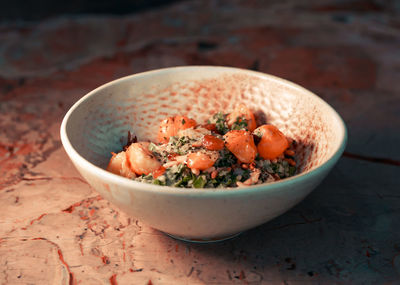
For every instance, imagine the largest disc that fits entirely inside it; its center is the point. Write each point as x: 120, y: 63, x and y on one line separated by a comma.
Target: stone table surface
x: 55, y: 229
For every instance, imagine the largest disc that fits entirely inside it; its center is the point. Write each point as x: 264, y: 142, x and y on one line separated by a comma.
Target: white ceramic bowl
x: 94, y: 126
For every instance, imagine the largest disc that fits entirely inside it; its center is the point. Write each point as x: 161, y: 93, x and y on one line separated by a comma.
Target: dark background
x: 31, y: 10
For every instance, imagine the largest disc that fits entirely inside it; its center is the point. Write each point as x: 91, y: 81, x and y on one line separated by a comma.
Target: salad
x: 230, y: 150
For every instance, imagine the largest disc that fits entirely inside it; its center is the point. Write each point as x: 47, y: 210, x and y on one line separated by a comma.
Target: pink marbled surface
x: 54, y: 229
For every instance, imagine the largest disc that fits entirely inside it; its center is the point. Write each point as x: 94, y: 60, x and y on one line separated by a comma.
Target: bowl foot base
x: 205, y: 240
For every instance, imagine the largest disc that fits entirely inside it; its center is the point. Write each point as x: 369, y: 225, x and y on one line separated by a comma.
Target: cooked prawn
x: 201, y: 160
x: 211, y: 142
x: 140, y: 158
x: 242, y: 111
x: 119, y: 165
x: 241, y: 144
x: 170, y: 126
x: 273, y: 142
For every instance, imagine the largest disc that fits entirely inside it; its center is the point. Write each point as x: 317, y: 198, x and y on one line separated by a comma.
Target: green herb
x: 182, y: 175
x: 219, y: 119
x: 245, y: 175
x: 183, y: 181
x: 158, y: 182
x: 182, y: 141
x: 199, y: 182
x: 226, y: 158
x: 183, y: 121
x: 210, y: 184
x: 275, y: 167
x: 180, y: 145
x: 240, y: 124
x: 263, y: 176
x: 227, y: 180
x: 292, y: 170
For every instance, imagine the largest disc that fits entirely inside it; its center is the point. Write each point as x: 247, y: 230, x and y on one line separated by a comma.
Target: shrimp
x: 166, y: 130
x: 241, y: 144
x: 273, y: 142
x: 201, y: 160
x: 211, y: 142
x: 242, y: 111
x: 119, y: 165
x: 141, y: 160
x: 170, y: 126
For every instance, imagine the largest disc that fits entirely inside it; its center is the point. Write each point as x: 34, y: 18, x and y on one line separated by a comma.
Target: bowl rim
x: 109, y: 177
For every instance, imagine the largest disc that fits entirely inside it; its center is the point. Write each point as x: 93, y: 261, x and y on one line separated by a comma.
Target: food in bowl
x: 92, y: 128
x: 230, y: 150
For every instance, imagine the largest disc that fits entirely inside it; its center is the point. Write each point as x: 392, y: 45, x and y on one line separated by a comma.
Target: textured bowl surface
x: 98, y: 123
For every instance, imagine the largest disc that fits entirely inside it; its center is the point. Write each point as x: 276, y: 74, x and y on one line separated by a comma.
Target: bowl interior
x: 99, y: 122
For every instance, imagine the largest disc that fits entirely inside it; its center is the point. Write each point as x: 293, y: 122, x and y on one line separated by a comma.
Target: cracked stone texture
x: 55, y: 229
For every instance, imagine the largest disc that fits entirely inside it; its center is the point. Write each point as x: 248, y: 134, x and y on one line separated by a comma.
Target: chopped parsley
x: 199, y: 181
x: 226, y: 158
x: 180, y: 145
x: 219, y: 119
x: 240, y: 124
